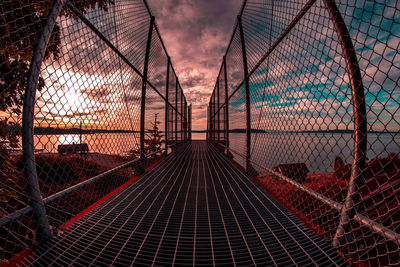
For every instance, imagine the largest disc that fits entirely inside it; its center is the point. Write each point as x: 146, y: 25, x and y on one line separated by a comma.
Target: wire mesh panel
x: 215, y: 116
x: 313, y: 67
x: 185, y: 124
x: 301, y: 105
x: 179, y: 116
x: 222, y: 112
x: 19, y: 35
x: 158, y: 60
x: 237, y: 126
x: 123, y: 23
x: 76, y: 70
x: 234, y: 62
x: 172, y: 107
x: 257, y: 20
x: 221, y: 137
x: 84, y: 118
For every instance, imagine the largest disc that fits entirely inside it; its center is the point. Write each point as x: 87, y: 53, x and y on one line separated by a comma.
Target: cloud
x: 196, y: 34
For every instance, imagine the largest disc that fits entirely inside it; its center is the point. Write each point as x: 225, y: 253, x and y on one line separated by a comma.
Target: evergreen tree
x: 153, y: 141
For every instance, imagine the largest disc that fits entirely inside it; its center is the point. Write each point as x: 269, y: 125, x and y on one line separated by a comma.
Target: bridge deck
x: 194, y: 207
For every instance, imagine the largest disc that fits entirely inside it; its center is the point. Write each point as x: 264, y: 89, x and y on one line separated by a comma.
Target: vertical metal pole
x: 218, y: 105
x: 143, y: 103
x: 182, y: 112
x: 190, y: 122
x: 176, y: 110
x: 186, y: 113
x: 247, y: 93
x: 360, y: 126
x: 184, y: 119
x: 208, y: 121
x: 212, y: 117
x: 36, y: 202
x: 167, y: 108
x: 209, y: 115
x: 226, y: 109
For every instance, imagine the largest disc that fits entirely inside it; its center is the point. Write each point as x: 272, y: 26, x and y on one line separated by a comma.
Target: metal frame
x: 143, y: 101
x: 190, y: 122
x: 176, y: 113
x: 247, y: 94
x: 37, y: 203
x: 348, y: 211
x: 360, y: 124
x: 167, y: 106
x: 219, y: 118
x: 226, y: 108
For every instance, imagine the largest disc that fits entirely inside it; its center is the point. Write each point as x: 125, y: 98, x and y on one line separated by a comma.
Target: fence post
x: 249, y: 168
x: 218, y: 110
x: 208, y: 122
x: 226, y: 109
x: 360, y: 125
x: 167, y: 108
x: 186, y: 120
x: 143, y: 102
x: 190, y: 122
x: 182, y: 112
x: 36, y: 202
x: 176, y: 110
x: 212, y: 117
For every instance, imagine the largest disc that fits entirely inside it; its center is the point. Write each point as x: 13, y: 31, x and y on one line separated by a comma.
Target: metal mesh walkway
x: 195, y: 207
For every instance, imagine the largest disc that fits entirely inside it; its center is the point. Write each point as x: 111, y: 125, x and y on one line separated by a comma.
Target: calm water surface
x: 317, y: 150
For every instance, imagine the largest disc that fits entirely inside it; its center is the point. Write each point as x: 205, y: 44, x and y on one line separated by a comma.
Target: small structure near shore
x: 67, y: 149
x: 295, y: 171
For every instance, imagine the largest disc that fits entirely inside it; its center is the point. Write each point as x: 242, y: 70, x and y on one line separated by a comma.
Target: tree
x: 152, y: 143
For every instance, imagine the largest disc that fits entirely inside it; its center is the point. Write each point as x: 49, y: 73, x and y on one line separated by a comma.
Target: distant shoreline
x: 52, y: 131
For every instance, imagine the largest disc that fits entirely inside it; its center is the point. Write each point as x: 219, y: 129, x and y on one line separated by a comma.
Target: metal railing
x: 300, y: 87
x: 89, y: 99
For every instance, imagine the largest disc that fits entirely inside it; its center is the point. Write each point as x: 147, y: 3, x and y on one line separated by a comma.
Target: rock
x: 341, y: 171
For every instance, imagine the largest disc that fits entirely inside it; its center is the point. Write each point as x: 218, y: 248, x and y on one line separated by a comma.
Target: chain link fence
x: 307, y: 101
x: 89, y: 99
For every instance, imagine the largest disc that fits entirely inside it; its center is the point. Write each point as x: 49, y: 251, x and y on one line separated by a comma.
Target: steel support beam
x: 360, y: 126
x: 176, y: 114
x: 186, y: 114
x: 167, y: 107
x: 36, y: 202
x: 226, y: 109
x: 218, y: 105
x: 190, y: 122
x: 143, y: 101
x: 182, y: 113
x: 247, y: 95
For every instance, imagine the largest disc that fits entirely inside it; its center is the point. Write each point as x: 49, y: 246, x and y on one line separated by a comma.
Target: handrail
x: 296, y: 82
x: 18, y: 214
x: 77, y: 13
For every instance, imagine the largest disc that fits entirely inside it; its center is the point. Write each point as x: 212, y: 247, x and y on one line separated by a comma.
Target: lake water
x: 317, y: 150
x: 104, y: 143
x: 199, y: 136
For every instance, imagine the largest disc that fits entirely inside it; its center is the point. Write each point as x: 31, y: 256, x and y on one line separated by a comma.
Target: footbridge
x: 299, y: 165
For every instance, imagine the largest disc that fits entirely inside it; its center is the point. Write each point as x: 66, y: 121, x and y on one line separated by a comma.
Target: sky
x: 196, y: 34
x: 302, y: 83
